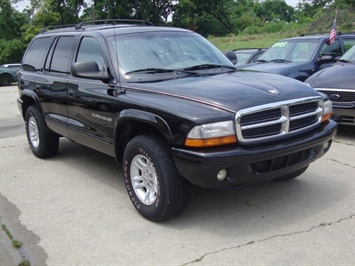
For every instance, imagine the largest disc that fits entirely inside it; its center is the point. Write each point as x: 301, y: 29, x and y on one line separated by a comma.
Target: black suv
x: 300, y: 57
x: 338, y: 82
x: 171, y: 108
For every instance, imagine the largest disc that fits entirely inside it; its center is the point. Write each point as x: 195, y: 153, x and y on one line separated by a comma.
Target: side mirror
x: 29, y: 68
x: 325, y: 59
x: 89, y: 70
x: 231, y: 56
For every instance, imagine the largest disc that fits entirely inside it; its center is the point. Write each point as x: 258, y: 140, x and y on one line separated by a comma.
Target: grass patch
x: 16, y: 243
x: 248, y: 41
x: 25, y: 262
x: 3, y: 227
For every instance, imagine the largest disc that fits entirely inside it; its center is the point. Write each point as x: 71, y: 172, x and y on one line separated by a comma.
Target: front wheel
x: 154, y: 186
x: 43, y: 143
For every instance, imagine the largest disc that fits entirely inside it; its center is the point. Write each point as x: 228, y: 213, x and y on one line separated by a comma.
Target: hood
x: 338, y: 76
x: 231, y: 91
x: 284, y: 68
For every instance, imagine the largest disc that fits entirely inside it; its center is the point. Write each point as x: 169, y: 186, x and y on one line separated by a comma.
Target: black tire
x: 292, y: 175
x: 43, y: 143
x: 153, y: 183
x: 5, y: 80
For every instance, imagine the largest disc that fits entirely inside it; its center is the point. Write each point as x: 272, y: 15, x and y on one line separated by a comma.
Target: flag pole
x: 333, y: 32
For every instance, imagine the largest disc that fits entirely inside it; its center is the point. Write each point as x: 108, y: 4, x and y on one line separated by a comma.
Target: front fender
x: 129, y: 119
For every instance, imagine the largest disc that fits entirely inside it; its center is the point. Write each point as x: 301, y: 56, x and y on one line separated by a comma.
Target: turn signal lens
x: 327, y: 110
x: 210, y: 142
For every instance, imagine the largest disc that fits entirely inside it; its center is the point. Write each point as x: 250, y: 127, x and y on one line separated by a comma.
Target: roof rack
x: 97, y: 22
x: 113, y: 21
x: 325, y: 33
x: 314, y: 33
x: 56, y: 27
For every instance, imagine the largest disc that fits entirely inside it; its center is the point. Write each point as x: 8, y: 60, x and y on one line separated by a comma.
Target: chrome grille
x: 341, y: 96
x: 273, y: 120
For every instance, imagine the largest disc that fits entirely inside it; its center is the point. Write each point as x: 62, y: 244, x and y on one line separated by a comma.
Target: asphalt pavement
x: 73, y: 209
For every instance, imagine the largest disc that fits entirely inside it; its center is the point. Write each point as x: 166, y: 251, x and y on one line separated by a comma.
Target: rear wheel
x: 154, y: 186
x: 5, y: 80
x: 43, y: 143
x: 292, y: 175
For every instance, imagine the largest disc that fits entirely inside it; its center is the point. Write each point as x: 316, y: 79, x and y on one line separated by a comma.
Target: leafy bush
x: 273, y: 27
x: 252, y: 30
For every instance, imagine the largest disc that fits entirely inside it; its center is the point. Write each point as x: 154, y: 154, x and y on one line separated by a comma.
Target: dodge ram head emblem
x: 273, y: 91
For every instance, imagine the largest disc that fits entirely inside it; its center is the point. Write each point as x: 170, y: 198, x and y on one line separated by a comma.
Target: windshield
x: 153, y: 52
x: 291, y: 51
x: 349, y: 55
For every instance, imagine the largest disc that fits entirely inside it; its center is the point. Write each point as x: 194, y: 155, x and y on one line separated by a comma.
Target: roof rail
x: 56, y: 27
x: 314, y: 33
x: 113, y: 21
x: 325, y: 33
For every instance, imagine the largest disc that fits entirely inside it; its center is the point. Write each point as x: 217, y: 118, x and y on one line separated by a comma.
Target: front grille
x: 283, y: 161
x: 341, y: 96
x: 273, y: 120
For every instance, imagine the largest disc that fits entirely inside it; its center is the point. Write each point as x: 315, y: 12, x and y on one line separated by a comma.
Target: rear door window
x: 59, y: 61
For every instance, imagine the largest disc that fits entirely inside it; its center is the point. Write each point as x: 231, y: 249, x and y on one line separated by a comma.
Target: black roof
x: 319, y: 36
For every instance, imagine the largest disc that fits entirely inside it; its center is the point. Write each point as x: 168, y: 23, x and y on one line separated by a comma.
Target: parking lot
x: 73, y: 209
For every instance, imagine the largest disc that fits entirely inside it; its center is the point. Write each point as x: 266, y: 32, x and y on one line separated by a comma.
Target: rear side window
x: 36, y: 52
x: 59, y: 62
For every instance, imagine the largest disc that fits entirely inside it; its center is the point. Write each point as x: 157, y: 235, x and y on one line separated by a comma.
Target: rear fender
x: 28, y: 98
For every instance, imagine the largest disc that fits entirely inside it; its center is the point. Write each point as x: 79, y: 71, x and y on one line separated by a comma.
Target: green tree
x: 12, y: 44
x: 275, y: 10
x: 206, y: 17
x: 156, y: 11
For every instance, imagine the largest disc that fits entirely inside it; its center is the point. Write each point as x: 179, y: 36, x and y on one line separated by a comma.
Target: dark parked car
x: 8, y: 74
x: 300, y: 57
x: 247, y: 56
x: 171, y: 108
x: 338, y: 82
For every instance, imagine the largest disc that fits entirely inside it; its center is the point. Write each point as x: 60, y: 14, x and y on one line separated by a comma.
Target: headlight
x: 212, y: 134
x: 327, y: 110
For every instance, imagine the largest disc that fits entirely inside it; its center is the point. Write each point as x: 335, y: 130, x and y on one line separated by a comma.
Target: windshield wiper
x: 209, y: 66
x: 262, y: 61
x: 280, y: 61
x: 344, y: 61
x: 159, y: 70
x: 150, y: 70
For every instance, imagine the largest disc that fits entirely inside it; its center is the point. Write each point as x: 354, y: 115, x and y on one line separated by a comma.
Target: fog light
x: 222, y: 175
x: 326, y: 145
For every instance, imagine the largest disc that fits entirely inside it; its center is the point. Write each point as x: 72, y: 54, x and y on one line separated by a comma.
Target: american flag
x: 333, y: 33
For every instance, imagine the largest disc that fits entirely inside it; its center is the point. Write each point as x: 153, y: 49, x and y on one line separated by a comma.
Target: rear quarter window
x: 35, y: 54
